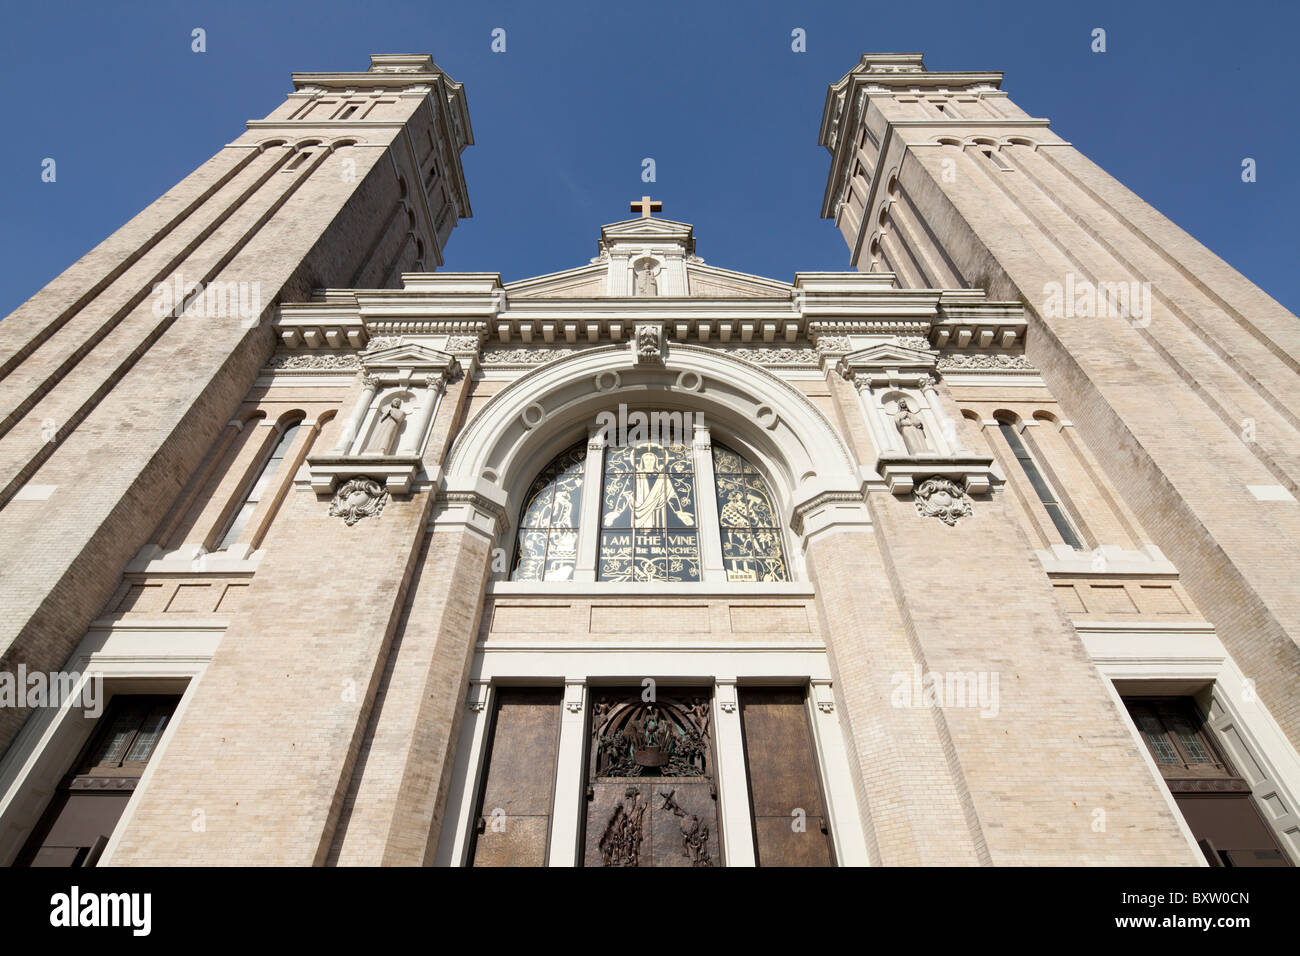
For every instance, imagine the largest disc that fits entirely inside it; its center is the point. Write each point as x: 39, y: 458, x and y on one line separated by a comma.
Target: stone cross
x: 646, y: 206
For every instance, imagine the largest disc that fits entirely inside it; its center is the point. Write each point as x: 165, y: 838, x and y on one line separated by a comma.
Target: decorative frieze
x: 315, y: 362
x: 982, y: 362
x: 462, y: 343
x: 525, y: 356
x: 775, y: 356
x: 383, y: 342
x: 834, y: 343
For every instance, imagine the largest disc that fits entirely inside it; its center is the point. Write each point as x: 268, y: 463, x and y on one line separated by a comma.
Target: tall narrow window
x: 548, y: 524
x: 648, y: 526
x: 748, y: 525
x: 255, y: 491
x: 1044, y: 491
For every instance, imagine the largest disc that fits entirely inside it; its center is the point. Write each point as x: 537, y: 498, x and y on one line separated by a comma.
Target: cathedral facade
x: 980, y: 552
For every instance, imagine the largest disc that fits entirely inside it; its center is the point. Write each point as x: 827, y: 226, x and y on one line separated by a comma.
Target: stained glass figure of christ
x: 648, y: 523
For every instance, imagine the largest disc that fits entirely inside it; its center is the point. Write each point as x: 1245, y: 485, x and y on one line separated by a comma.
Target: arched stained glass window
x: 648, y: 525
x: 548, y: 523
x: 649, y: 518
x: 747, y: 521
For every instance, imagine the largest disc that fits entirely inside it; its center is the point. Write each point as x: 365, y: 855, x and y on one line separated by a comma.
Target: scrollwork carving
x: 942, y: 499
x: 462, y: 343
x: 357, y: 499
x: 834, y: 343
x: 776, y: 356
x: 524, y: 356
x: 324, y: 362
x: 915, y: 342
x: 985, y: 362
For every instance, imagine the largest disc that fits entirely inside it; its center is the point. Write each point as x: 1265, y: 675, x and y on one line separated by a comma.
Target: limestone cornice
x: 398, y: 474
x: 975, y: 123
x: 975, y: 474
x: 972, y: 322
x: 816, y: 307
x: 482, y: 509
x: 830, y: 508
x: 885, y: 73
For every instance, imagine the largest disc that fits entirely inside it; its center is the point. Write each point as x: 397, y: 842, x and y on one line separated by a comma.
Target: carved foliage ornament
x: 383, y: 342
x: 942, y: 499
x: 961, y: 361
x: 462, y: 343
x: 525, y: 356
x: 357, y: 499
x: 834, y: 343
x: 325, y: 361
x: 784, y: 356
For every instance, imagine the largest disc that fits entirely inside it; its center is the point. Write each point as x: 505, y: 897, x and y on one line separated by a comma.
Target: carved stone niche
x: 384, y: 436
x: 914, y: 436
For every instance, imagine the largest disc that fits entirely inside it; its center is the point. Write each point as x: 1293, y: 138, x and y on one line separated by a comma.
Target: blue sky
x: 712, y: 92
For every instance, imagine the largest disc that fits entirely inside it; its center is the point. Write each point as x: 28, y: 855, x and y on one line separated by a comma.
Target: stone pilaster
x: 394, y: 809
x: 914, y: 809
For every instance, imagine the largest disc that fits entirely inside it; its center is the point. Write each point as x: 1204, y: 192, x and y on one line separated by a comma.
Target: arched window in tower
x: 1038, y: 481
x: 548, y: 523
x: 258, y: 486
x: 748, y: 523
x: 648, y: 526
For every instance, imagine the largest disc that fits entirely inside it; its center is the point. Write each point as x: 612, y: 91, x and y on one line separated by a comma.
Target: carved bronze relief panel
x: 651, y: 794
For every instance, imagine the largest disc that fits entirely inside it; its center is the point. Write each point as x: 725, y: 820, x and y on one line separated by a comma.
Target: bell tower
x: 117, y: 377
x: 1181, y: 376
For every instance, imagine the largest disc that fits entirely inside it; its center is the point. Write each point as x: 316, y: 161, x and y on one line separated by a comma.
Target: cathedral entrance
x: 651, y: 793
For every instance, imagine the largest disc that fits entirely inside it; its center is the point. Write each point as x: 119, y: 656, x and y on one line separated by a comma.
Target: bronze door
x: 785, y: 795
x: 513, y: 818
x: 651, y: 798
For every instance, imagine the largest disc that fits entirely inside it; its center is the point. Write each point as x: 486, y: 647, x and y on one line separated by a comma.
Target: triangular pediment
x: 586, y: 281
x: 646, y: 229
x: 663, y: 247
x: 406, y: 355
x: 706, y: 281
x: 889, y: 355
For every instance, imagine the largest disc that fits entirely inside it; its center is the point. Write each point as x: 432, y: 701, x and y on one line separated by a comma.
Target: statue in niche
x: 645, y: 282
x: 388, y: 429
x: 911, y: 427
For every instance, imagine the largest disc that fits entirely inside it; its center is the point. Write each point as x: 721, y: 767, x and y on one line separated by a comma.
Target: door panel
x: 514, y: 812
x: 784, y: 786
x: 651, y: 799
